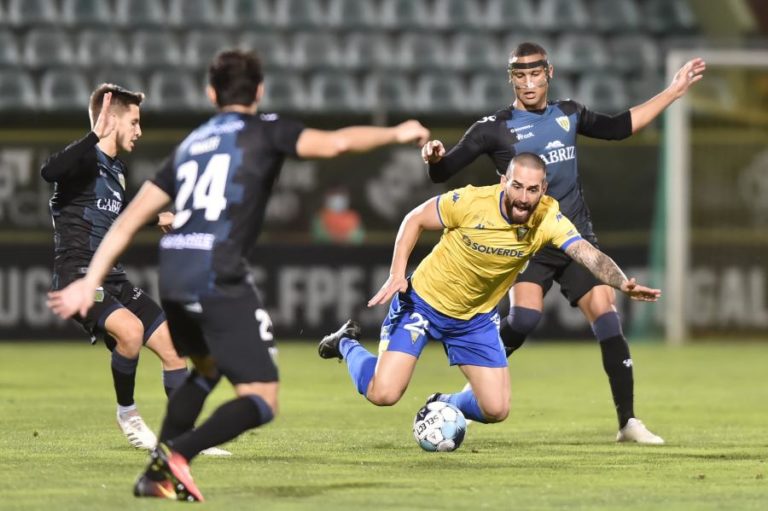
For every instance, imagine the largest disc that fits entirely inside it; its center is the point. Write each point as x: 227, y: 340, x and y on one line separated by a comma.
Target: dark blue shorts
x: 411, y: 322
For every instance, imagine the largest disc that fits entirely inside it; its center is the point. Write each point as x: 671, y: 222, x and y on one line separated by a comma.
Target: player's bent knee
x: 495, y: 412
x: 129, y: 336
x: 384, y: 396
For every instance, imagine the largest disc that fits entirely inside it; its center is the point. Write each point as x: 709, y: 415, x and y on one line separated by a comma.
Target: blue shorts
x: 411, y: 322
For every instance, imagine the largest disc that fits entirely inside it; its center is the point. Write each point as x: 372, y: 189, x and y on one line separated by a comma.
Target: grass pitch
x: 329, y: 450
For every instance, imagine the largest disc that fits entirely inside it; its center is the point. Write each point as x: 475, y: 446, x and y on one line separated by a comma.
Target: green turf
x: 60, y: 448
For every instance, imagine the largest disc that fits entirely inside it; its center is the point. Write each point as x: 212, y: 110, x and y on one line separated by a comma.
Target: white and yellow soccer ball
x: 439, y: 426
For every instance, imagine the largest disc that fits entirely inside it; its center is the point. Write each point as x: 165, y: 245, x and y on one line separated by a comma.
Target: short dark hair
x: 235, y: 75
x: 120, y: 96
x: 529, y: 160
x: 528, y: 48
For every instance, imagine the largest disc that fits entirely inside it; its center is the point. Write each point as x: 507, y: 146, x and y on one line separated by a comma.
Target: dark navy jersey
x: 89, y: 194
x: 220, y: 179
x: 551, y: 134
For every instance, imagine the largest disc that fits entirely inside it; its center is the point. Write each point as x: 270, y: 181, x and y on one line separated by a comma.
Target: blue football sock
x: 360, y: 362
x: 467, y: 403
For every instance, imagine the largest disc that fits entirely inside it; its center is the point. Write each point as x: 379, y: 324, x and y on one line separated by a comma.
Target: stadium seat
x: 202, y: 45
x: 25, y: 13
x: 81, y: 13
x: 489, y: 92
x: 634, y: 54
x: 602, y: 92
x: 507, y: 17
x: 668, y: 16
x: 48, y: 48
x: 561, y: 87
x: 131, y: 80
x: 405, y: 14
x: 511, y: 41
x: 333, y: 92
x: 581, y: 52
x: 463, y: 15
x: 422, y: 51
x: 152, y: 49
x: 253, y: 14
x: 140, y: 13
x: 300, y: 14
x: 387, y: 92
x: 64, y: 90
x: 315, y: 50
x: 173, y: 91
x: 9, y: 49
x: 366, y: 50
x: 563, y: 15
x: 17, y: 90
x: 193, y: 13
x: 100, y: 47
x: 283, y: 92
x: 441, y: 93
x: 352, y: 14
x: 614, y: 15
x: 271, y: 46
x: 475, y: 53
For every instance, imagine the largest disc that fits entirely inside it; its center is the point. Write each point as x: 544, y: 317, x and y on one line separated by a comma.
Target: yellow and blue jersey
x: 481, y: 252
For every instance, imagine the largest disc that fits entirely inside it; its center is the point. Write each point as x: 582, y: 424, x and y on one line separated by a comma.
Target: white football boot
x: 635, y: 431
x: 136, y: 430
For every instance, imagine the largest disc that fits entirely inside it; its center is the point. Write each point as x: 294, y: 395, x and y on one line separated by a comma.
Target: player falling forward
x: 549, y: 129
x: 219, y: 179
x: 89, y: 194
x: 489, y: 235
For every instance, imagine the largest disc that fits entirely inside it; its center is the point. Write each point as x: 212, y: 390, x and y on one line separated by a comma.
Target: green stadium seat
x: 333, y: 92
x: 17, y: 90
x: 368, y: 50
x: 489, y: 92
x: 171, y: 90
x: 388, y: 92
x: 422, y: 51
x: 254, y: 14
x: 63, y: 90
x: 82, y: 13
x: 271, y: 46
x: 283, y: 92
x: 614, y: 15
x: 315, y: 50
x: 581, y: 52
x: 9, y: 49
x: 475, y: 53
x: 131, y: 80
x: 44, y: 48
x: 26, y: 13
x: 441, y: 93
x: 405, y: 14
x: 561, y: 87
x: 462, y: 15
x: 668, y: 16
x: 563, y: 15
x: 202, y: 45
x: 140, y: 13
x: 602, y: 92
x: 353, y: 14
x: 150, y: 49
x: 634, y: 54
x: 99, y: 47
x: 507, y: 17
x: 300, y: 14
x: 194, y: 13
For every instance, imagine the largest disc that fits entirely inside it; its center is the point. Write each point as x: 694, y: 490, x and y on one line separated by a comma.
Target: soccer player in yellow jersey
x: 489, y: 233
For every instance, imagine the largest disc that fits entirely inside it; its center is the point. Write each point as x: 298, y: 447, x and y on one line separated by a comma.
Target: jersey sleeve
x: 285, y: 133
x: 560, y: 230
x: 606, y: 127
x: 67, y: 162
x: 165, y: 179
x: 452, y: 207
x: 474, y: 143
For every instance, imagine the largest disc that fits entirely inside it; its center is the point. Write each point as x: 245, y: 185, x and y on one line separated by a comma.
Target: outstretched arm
x: 608, y: 272
x: 313, y: 143
x: 422, y: 217
x: 78, y: 296
x: 690, y: 73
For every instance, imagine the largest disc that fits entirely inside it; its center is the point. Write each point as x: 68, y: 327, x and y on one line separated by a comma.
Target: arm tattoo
x: 601, y: 266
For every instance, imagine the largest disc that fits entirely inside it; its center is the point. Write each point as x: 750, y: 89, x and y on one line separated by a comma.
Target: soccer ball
x: 439, y: 426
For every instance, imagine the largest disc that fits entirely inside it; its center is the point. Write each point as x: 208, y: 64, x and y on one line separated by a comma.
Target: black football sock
x: 185, y: 404
x: 226, y: 423
x: 618, y: 366
x: 173, y: 379
x: 124, y: 377
x: 516, y: 327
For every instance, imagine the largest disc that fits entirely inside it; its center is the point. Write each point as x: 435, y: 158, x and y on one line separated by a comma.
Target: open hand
x: 107, y: 121
x: 641, y: 293
x: 391, y: 286
x: 690, y: 73
x: 75, y: 298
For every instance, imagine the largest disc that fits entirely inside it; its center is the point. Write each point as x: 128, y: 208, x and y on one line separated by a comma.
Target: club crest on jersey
x: 564, y: 122
x: 521, y: 232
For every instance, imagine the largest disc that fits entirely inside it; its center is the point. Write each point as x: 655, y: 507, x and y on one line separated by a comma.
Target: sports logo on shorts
x: 98, y: 295
x: 564, y: 122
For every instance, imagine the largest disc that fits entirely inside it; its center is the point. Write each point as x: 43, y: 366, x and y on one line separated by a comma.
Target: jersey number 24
x: 206, y: 190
